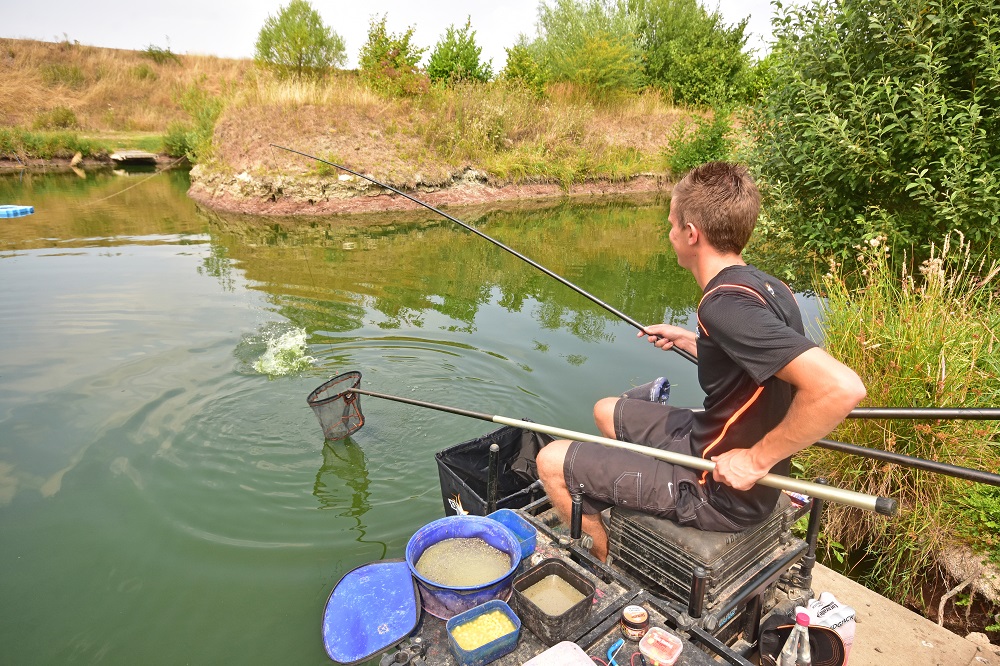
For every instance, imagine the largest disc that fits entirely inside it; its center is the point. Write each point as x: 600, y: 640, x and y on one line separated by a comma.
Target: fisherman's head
x: 721, y: 200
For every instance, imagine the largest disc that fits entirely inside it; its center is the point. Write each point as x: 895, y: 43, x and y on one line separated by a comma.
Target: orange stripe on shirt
x: 725, y: 428
x: 723, y: 286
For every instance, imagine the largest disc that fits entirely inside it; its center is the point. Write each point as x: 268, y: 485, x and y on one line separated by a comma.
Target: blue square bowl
x: 491, y: 651
x: 524, y: 531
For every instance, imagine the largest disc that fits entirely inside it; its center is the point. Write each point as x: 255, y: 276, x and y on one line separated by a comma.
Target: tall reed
x: 924, y: 338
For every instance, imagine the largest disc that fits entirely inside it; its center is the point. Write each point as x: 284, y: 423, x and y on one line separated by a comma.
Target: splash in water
x: 285, y: 354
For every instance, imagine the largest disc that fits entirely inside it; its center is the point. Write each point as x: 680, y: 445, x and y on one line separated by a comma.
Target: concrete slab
x: 889, y: 634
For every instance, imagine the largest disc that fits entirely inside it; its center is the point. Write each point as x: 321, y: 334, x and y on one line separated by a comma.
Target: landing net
x: 337, y: 407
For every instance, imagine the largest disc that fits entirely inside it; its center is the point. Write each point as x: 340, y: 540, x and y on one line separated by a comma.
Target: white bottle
x: 796, y: 649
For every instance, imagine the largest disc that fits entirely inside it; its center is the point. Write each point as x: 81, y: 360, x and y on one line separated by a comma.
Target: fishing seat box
x: 463, y: 471
x: 663, y: 555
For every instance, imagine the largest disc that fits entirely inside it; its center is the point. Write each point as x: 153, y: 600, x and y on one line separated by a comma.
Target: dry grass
x: 502, y: 131
x: 106, y: 89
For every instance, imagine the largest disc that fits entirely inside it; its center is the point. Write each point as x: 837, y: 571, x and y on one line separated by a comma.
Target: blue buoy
x: 16, y: 211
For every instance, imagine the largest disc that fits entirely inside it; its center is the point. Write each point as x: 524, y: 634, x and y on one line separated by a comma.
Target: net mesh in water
x: 337, y: 407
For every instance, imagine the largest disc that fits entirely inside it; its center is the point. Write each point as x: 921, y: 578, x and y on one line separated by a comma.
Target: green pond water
x: 166, y: 496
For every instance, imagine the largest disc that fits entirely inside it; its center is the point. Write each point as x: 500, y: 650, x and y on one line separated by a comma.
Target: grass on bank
x: 924, y: 338
x: 16, y: 143
x: 69, y: 86
x: 500, y: 129
x: 226, y: 112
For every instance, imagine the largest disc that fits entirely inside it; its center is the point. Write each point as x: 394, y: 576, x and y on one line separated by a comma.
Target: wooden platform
x: 133, y: 157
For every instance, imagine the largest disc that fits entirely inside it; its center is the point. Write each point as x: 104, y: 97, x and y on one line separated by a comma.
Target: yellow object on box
x: 660, y: 647
x: 481, y: 630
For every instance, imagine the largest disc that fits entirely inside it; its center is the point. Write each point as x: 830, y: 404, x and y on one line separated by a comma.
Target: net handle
x: 885, y: 506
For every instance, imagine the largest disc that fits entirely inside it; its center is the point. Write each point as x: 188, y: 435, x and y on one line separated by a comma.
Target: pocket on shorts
x: 688, y: 503
x: 628, y: 489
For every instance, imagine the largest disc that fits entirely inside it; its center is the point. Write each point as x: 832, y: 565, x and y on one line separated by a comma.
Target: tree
x: 883, y: 118
x: 388, y: 62
x: 522, y: 67
x: 591, y: 43
x: 297, y: 41
x: 456, y: 57
x: 691, y: 52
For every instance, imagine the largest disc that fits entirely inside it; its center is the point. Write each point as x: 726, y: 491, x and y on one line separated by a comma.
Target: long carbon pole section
x: 621, y: 315
x: 883, y: 505
x: 930, y: 413
x: 966, y: 473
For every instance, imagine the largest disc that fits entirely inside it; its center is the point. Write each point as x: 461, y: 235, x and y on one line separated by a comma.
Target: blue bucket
x: 446, y: 602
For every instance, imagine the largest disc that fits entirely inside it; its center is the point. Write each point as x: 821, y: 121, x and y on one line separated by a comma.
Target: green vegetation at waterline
x: 918, y: 338
x: 15, y: 142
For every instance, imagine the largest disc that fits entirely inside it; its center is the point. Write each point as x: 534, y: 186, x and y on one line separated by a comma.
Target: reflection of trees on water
x: 342, y: 483
x: 333, y: 275
x: 218, y: 265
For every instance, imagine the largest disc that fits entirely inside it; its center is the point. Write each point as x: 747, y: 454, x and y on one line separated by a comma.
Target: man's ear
x: 693, y: 233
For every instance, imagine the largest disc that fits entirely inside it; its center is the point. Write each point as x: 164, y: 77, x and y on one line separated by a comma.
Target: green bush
x: 60, y: 117
x: 20, y: 144
x: 194, y: 140
x: 296, y: 41
x: 697, y: 142
x: 161, y: 56
x: 70, y: 76
x: 456, y: 58
x: 691, y: 53
x: 522, y: 68
x: 179, y: 141
x: 591, y: 44
x: 388, y: 62
x: 882, y: 117
x: 921, y: 337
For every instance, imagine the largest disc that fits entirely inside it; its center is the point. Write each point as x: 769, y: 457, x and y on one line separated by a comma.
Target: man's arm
x: 666, y: 336
x: 826, y: 391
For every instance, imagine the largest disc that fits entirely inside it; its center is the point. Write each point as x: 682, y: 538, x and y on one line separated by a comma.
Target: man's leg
x: 550, y: 462
x: 604, y: 416
x: 657, y: 391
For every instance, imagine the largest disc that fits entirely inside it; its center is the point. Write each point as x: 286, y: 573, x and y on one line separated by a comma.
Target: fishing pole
x: 621, y: 315
x: 337, y: 404
x: 862, y: 413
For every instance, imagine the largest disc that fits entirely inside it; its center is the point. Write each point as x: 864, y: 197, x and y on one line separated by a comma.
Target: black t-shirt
x: 749, y: 328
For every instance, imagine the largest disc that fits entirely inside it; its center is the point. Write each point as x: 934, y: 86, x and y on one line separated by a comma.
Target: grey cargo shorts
x: 607, y: 476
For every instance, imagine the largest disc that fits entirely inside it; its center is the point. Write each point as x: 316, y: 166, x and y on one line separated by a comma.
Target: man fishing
x: 769, y: 391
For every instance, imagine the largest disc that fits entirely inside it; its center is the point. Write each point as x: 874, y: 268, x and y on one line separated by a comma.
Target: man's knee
x: 604, y: 416
x: 550, y: 460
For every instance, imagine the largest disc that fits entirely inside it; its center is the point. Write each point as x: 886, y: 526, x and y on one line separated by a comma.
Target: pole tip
x: 886, y: 506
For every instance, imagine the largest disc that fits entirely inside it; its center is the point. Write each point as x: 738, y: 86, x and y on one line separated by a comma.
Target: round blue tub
x: 446, y: 602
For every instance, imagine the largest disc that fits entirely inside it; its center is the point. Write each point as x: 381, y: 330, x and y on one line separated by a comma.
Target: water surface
x: 165, y: 492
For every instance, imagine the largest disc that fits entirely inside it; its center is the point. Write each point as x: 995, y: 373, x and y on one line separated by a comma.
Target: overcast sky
x: 229, y: 28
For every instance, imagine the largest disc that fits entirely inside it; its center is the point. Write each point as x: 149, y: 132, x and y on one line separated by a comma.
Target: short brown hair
x: 722, y: 201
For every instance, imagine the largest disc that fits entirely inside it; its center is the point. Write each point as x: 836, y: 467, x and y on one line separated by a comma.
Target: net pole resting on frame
x: 885, y: 506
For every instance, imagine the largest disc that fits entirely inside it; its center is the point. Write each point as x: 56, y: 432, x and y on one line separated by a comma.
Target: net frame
x: 337, y: 406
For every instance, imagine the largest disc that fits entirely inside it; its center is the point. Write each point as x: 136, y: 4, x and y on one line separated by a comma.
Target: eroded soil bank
x: 315, y: 195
